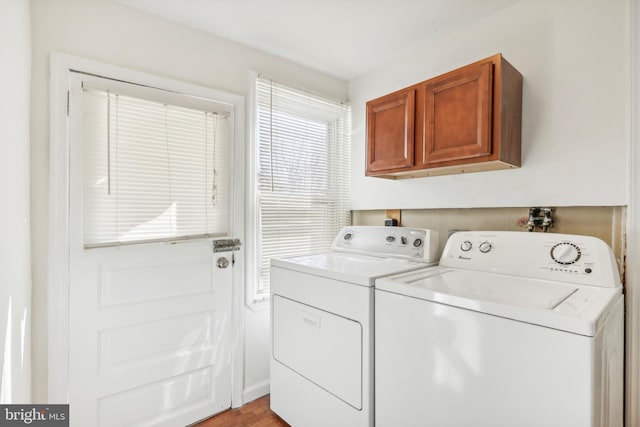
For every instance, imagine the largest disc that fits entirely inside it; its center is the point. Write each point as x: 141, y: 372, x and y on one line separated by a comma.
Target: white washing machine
x: 511, y: 329
x: 322, y: 323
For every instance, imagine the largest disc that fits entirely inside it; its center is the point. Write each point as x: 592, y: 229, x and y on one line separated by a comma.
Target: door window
x: 155, y: 164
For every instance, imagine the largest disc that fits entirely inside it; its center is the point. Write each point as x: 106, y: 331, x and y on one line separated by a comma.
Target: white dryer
x: 322, y: 323
x: 511, y: 329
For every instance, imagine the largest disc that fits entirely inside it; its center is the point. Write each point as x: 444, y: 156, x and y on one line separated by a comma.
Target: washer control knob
x: 485, y: 247
x: 403, y: 240
x: 348, y: 236
x: 391, y: 239
x: 565, y: 253
x: 466, y: 246
x: 417, y: 243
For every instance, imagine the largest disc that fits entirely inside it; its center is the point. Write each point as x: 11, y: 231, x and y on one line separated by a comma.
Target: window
x: 302, y: 174
x: 155, y: 164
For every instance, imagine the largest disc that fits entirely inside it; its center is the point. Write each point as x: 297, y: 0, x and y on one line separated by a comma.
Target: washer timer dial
x: 485, y: 247
x: 565, y: 253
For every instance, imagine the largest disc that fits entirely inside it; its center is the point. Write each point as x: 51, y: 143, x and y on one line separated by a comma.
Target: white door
x: 149, y: 334
x: 149, y: 324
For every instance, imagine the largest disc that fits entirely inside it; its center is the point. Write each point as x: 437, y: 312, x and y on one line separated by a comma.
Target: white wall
x: 109, y: 32
x: 257, y: 355
x: 574, y: 56
x: 15, y: 264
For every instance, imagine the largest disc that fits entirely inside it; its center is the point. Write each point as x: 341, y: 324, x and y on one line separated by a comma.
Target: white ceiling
x: 343, y: 38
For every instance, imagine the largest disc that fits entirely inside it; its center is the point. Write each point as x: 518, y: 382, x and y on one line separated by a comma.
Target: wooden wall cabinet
x: 467, y: 120
x: 390, y: 131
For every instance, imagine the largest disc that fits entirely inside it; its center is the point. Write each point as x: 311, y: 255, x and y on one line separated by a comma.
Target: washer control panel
x: 398, y: 242
x: 561, y: 257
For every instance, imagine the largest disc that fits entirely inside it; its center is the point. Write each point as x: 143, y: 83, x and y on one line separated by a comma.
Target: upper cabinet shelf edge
x: 466, y: 120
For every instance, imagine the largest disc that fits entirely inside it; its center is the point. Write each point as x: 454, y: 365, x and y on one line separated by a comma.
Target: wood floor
x: 253, y: 414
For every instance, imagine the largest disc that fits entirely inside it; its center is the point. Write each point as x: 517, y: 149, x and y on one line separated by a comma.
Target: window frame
x: 253, y: 210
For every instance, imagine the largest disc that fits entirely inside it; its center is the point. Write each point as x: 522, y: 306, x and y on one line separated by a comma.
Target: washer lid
x: 352, y: 268
x: 521, y: 292
x: 573, y: 308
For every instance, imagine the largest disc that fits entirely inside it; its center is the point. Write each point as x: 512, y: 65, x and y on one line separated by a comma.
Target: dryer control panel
x: 416, y: 244
x: 561, y: 257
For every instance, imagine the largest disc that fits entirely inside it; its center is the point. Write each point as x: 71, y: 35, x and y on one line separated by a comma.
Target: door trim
x: 58, y: 245
x: 632, y: 285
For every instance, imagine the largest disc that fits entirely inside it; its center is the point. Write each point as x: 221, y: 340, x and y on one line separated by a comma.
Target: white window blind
x: 155, y: 165
x: 303, y: 174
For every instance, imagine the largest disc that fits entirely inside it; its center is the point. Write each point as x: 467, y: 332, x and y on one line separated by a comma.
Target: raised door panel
x: 390, y: 132
x: 457, y: 121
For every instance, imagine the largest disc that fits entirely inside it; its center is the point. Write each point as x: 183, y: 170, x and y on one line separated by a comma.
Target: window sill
x: 260, y: 305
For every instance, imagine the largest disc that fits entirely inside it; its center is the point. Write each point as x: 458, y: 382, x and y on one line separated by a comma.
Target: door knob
x: 222, y: 262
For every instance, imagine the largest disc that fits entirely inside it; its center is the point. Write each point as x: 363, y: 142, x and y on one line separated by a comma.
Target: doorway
x: 145, y: 327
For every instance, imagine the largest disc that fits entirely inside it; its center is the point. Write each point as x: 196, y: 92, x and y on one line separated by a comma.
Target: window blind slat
x: 303, y: 173
x: 153, y: 171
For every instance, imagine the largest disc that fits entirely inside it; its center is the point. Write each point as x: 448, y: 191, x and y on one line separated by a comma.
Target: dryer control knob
x: 485, y: 247
x: 417, y: 243
x: 466, y: 246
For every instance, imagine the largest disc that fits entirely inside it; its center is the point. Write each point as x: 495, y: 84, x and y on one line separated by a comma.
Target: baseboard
x: 255, y: 391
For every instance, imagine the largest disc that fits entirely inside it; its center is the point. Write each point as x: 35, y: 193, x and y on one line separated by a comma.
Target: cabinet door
x: 457, y: 115
x: 390, y: 131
